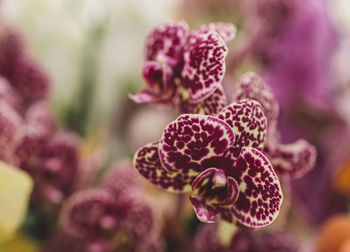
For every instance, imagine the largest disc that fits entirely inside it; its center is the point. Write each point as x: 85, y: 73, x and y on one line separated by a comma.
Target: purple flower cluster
x: 50, y: 155
x: 22, y: 72
x: 219, y: 160
x: 291, y: 160
x: 29, y: 135
x: 185, y: 68
x: 228, y: 159
x: 208, y: 239
x: 296, y: 41
x: 113, y: 215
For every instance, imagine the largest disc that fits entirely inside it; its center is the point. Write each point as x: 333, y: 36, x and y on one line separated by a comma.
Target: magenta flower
x: 51, y: 158
x: 186, y: 68
x: 291, y: 160
x: 9, y: 95
x: 115, y: 215
x: 91, y: 214
x: 10, y: 121
x: 120, y: 176
x: 30, y: 79
x: 20, y: 70
x: 219, y: 161
x: 40, y: 114
x: 295, y: 44
x: 59, y: 166
x: 208, y: 239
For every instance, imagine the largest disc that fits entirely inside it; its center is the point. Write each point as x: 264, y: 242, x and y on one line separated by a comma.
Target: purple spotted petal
x: 209, y: 106
x: 252, y: 86
x: 215, y: 189
x: 147, y: 162
x: 10, y: 123
x: 91, y: 214
x: 190, y: 139
x: 293, y: 160
x: 204, y: 64
x: 248, y: 121
x: 227, y: 31
x: 167, y: 39
x: 260, y: 195
x: 203, y: 212
x: 121, y: 176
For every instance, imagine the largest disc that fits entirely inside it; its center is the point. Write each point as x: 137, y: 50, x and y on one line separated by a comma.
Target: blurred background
x: 67, y: 68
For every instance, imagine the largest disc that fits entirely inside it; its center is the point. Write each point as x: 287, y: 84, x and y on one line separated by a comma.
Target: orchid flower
x: 291, y: 160
x: 219, y: 161
x: 186, y: 68
x: 115, y: 214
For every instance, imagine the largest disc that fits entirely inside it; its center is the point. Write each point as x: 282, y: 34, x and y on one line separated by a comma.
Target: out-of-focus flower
x: 63, y: 242
x: 20, y: 242
x: 120, y: 176
x: 342, y: 178
x: 11, y: 48
x: 186, y: 68
x: 15, y: 190
x: 218, y: 160
x: 10, y: 121
x: 20, y: 70
x: 40, y: 115
x: 329, y: 179
x: 289, y: 160
x: 30, y: 79
x: 9, y: 95
x: 339, y: 160
x: 302, y: 29
x: 59, y: 166
x: 335, y: 235
x: 208, y: 239
x: 51, y: 158
x: 92, y: 215
x: 115, y: 215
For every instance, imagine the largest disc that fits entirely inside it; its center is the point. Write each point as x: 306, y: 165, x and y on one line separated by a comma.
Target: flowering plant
x: 186, y: 68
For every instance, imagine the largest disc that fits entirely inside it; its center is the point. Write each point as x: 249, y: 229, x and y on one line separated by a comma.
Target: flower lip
x: 213, y: 188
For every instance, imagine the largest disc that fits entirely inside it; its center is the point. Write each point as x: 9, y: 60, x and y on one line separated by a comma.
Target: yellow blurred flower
x: 15, y: 189
x: 19, y: 243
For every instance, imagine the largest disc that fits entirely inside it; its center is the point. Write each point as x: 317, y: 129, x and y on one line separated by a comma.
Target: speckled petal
x: 121, y: 176
x: 293, y: 160
x: 147, y: 162
x: 190, y: 139
x: 227, y: 31
x: 167, y: 39
x: 252, y: 86
x: 209, y: 106
x: 204, y: 212
x: 248, y: 121
x: 85, y: 213
x: 260, y: 196
x: 204, y: 64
